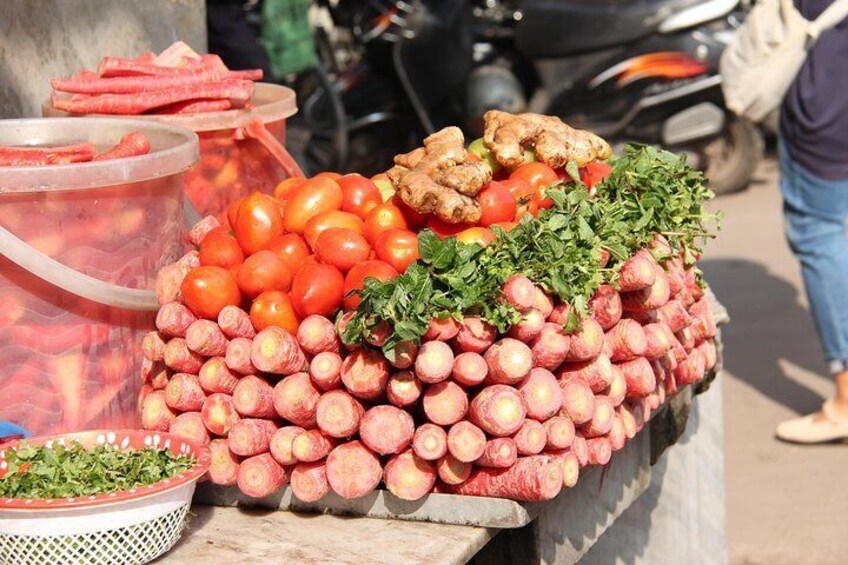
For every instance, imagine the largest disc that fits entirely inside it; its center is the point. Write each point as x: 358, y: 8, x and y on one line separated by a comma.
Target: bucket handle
x: 255, y: 129
x: 73, y: 281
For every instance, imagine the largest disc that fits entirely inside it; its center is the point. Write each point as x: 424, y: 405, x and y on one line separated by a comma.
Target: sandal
x: 815, y: 428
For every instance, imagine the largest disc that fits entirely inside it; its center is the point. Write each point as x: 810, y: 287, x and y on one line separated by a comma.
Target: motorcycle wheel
x: 730, y: 159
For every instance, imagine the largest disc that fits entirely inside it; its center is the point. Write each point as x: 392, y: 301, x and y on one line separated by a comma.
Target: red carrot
x: 570, y: 466
x: 686, y: 338
x: 281, y: 444
x: 169, y: 282
x: 674, y: 270
x: 430, y: 442
x: 196, y: 106
x: 138, y: 84
x: 153, y: 346
x: 469, y: 369
x: 441, y: 329
x: 541, y: 393
x: 531, y: 438
x: 520, y: 292
x: 253, y: 397
x: 701, y: 309
x: 561, y: 314
x: 131, y: 145
x: 498, y: 410
x: 238, y: 354
x: 338, y: 414
x: 708, y: 350
x: 628, y: 423
x: 378, y: 334
x: 434, y: 362
x: 475, y: 335
x: 601, y: 421
x: 403, y: 389
x: 184, y: 394
x: 587, y: 343
x: 500, y: 452
x: 309, y: 481
x: 225, y: 464
x: 296, y: 400
x: 606, y: 306
x: 597, y: 373
x: 636, y: 273
x: 275, y: 350
x: 403, y: 355
x: 543, y: 303
x: 215, y: 376
x: 316, y: 334
x: 639, y: 376
x: 691, y: 370
x: 617, y: 389
x: 550, y: 347
x: 353, y: 470
x: 466, y: 442
x: 201, y: 229
x: 219, y: 414
x: 627, y: 340
x: 260, y: 476
x: 659, y: 340
x: 600, y: 451
x: 235, y: 322
x: 325, y: 369
x: 173, y: 319
x: 156, y: 415
x: 445, y: 403
x: 251, y: 436
x: 509, y: 361
x: 533, y: 478
x: 116, y: 66
x: 311, y: 446
x: 386, y: 429
x: 365, y: 373
x: 452, y: 471
x: 674, y: 315
x: 409, y: 477
x: 206, y: 338
x: 559, y: 432
x: 189, y: 426
x: 580, y: 449
x: 650, y: 298
x: 532, y: 322
x: 179, y: 358
x: 578, y: 402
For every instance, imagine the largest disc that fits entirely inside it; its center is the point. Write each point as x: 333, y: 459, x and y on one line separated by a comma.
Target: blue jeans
x: 816, y: 213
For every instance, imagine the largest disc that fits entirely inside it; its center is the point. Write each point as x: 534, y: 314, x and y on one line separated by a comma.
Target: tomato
x: 526, y: 197
x: 398, y: 248
x: 342, y: 248
x: 329, y: 175
x: 232, y: 211
x: 478, y: 235
x: 206, y: 290
x: 414, y: 219
x: 286, y: 188
x: 506, y: 226
x: 360, y: 195
x: 264, y: 270
x: 317, y: 289
x: 258, y: 222
x: 220, y: 249
x: 318, y: 194
x: 496, y: 203
x: 330, y: 219
x: 479, y: 149
x: 292, y: 249
x: 355, y: 279
x: 540, y: 177
x: 384, y: 185
x: 593, y: 173
x: 444, y: 229
x: 382, y: 218
x: 274, y: 308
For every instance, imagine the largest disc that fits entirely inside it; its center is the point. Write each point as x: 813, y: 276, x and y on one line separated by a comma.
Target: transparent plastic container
x: 80, y: 246
x: 241, y: 151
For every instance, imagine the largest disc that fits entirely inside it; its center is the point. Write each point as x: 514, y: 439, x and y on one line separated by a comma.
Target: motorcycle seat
x: 556, y: 28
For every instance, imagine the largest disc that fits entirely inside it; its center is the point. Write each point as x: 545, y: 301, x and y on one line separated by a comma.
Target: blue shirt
x: 814, y: 117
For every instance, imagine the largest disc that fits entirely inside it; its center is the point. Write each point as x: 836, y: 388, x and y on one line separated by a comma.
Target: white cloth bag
x: 764, y: 57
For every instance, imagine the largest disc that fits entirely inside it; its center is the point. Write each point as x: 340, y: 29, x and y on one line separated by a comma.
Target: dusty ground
x: 785, y: 504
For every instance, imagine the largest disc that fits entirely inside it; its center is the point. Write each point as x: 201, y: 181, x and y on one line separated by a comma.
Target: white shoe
x: 815, y: 428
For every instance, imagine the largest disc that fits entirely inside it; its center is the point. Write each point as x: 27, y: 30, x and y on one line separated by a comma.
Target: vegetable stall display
x: 482, y: 321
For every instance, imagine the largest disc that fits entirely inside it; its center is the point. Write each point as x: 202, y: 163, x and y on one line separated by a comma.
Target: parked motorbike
x: 630, y: 70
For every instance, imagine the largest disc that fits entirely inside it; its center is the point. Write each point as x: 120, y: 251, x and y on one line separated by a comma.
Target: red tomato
x: 258, y: 222
x: 327, y: 220
x: 317, y: 289
x: 355, y: 279
x: 540, y: 176
x: 342, y: 248
x: 414, y: 219
x: 398, y: 248
x: 264, y: 270
x: 526, y: 197
x: 274, y: 308
x: 593, y: 173
x: 384, y: 217
x: 292, y: 249
x: 496, y: 203
x: 318, y: 194
x: 286, y: 188
x: 232, y: 211
x: 480, y: 236
x: 220, y: 249
x: 360, y: 194
x: 328, y: 175
x: 506, y: 226
x: 444, y: 229
x: 206, y: 290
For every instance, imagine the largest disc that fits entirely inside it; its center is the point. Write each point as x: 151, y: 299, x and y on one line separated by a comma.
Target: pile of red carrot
x: 468, y: 412
x: 132, y: 144
x: 177, y: 81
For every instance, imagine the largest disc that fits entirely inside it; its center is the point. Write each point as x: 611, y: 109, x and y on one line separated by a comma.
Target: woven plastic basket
x: 123, y: 528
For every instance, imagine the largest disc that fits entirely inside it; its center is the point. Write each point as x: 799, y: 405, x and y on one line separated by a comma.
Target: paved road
x: 786, y: 504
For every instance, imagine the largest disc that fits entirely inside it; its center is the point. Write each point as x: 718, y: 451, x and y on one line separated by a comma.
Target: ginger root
x: 555, y: 142
x: 441, y: 178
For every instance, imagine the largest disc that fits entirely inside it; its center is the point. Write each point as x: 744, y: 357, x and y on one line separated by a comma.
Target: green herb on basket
x: 72, y: 471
